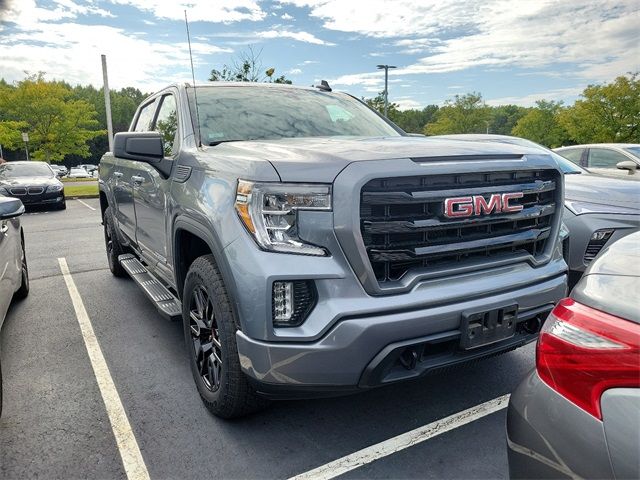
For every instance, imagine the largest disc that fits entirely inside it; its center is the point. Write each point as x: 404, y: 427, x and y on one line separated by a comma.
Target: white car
x: 78, y: 172
x: 611, y: 159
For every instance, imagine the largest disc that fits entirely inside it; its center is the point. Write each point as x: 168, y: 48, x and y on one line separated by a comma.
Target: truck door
x: 151, y: 188
x: 121, y: 178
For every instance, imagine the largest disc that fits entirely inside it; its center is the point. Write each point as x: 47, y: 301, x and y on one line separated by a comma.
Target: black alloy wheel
x: 205, y: 337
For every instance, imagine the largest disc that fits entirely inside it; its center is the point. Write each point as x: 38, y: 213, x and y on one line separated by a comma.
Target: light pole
x: 386, y: 86
x: 25, y: 139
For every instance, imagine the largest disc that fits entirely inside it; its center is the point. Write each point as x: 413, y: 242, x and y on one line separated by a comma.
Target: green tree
x: 11, y: 134
x: 541, y: 125
x: 414, y: 120
x: 247, y: 67
x: 377, y: 104
x: 465, y: 114
x: 606, y: 113
x: 505, y: 117
x: 57, y: 124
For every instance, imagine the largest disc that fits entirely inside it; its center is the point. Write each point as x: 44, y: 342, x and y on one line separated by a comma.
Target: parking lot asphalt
x: 55, y: 424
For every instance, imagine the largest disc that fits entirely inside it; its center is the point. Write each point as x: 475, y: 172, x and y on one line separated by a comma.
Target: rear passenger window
x: 167, y: 124
x: 143, y: 123
x: 573, y: 155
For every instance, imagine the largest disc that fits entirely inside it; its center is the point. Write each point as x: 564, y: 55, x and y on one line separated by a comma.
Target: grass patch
x: 81, y: 190
x: 71, y: 180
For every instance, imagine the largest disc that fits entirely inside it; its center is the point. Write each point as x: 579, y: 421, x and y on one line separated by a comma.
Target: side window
x: 167, y: 124
x: 573, y: 154
x: 143, y: 124
x: 604, y: 158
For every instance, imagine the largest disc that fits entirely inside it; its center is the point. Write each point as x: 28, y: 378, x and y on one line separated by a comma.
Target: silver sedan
x: 577, y: 414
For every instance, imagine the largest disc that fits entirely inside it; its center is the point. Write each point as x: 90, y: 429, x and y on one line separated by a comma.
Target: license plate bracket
x: 480, y: 328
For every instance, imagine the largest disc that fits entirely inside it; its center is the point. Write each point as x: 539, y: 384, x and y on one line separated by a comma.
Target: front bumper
x: 42, y: 199
x: 550, y: 437
x: 364, y: 350
x: 581, y: 227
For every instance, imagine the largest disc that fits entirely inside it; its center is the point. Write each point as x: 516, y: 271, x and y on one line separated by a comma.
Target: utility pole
x: 25, y: 139
x: 107, y: 102
x: 386, y: 86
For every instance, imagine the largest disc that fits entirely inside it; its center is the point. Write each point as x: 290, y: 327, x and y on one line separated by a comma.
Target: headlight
x: 580, y: 207
x: 269, y: 211
x: 3, y: 191
x: 55, y: 188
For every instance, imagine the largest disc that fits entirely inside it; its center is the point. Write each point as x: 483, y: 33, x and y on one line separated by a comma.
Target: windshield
x: 567, y: 166
x: 35, y: 169
x: 246, y: 113
x: 635, y: 151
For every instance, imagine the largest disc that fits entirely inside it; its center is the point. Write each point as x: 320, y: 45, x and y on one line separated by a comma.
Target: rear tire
x: 112, y: 244
x: 210, y: 335
x: 23, y: 291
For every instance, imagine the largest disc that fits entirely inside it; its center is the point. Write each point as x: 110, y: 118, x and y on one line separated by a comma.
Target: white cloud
x: 218, y: 11
x: 599, y: 37
x: 530, y: 100
x: 406, y: 103
x: 26, y: 12
x: 309, y: 62
x: 71, y: 51
x: 294, y: 71
x: 299, y: 36
x: 286, y: 16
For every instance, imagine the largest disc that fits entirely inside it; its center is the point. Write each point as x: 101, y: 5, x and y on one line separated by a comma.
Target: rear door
x: 121, y: 179
x: 151, y: 188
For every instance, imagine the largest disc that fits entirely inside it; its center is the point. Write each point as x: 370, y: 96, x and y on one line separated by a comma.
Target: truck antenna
x: 193, y: 77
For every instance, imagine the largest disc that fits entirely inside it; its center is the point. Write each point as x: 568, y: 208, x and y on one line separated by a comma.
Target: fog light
x: 282, y: 302
x: 600, y: 235
x: 292, y: 301
x: 598, y: 240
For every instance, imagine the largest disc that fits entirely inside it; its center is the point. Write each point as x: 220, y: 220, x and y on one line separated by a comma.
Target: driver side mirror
x: 10, y: 208
x: 629, y: 165
x: 139, y: 146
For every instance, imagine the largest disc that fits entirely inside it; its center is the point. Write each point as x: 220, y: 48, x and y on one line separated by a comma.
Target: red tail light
x: 582, y: 352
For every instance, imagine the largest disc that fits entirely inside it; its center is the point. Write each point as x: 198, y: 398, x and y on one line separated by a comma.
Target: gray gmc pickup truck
x: 310, y: 247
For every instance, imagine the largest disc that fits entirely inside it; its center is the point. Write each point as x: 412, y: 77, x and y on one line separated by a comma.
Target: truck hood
x: 321, y: 159
x: 603, y: 190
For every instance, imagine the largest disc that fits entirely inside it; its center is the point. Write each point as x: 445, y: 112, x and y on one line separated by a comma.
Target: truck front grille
x: 404, y: 228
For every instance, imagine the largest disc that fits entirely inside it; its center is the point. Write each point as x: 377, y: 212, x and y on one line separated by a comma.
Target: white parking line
x: 86, y: 204
x: 132, y: 460
x: 405, y: 440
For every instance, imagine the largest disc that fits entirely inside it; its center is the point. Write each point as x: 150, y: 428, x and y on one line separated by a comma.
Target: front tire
x: 23, y: 291
x: 210, y: 335
x: 112, y: 244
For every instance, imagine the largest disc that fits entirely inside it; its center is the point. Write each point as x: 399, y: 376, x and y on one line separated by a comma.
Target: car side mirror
x: 627, y: 165
x: 139, y: 146
x: 10, y: 208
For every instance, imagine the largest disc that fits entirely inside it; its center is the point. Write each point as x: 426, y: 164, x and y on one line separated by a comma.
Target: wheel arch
x: 191, y: 240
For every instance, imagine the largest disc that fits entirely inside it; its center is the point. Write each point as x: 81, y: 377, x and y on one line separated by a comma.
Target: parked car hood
x: 603, y: 190
x: 26, y: 181
x: 322, y: 158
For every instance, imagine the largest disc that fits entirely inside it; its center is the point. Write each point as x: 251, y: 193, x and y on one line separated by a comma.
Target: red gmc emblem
x: 460, y: 207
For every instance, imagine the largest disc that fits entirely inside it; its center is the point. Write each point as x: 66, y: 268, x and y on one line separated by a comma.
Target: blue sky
x: 512, y: 51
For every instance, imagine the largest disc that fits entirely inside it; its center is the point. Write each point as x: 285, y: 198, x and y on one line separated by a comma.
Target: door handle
x: 117, y: 174
x: 4, y: 228
x: 137, y: 180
